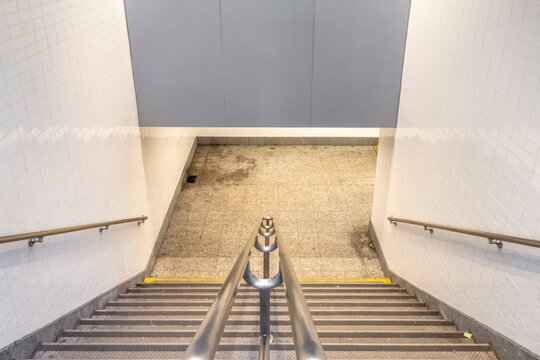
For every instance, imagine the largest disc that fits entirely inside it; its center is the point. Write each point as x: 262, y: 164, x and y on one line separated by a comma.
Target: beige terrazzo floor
x: 319, y: 196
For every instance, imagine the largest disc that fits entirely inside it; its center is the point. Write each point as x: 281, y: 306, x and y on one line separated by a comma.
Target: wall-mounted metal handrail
x: 306, y: 341
x: 493, y: 238
x: 37, y: 236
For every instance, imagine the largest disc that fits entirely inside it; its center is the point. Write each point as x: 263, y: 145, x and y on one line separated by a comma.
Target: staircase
x: 265, y: 318
x: 361, y: 320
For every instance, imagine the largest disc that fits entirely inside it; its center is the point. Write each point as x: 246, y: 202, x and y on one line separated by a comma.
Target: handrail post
x: 264, y: 296
x: 306, y: 341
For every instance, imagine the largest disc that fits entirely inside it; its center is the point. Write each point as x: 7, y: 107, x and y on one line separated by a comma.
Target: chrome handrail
x: 493, y: 238
x: 205, y: 343
x: 306, y: 340
x: 37, y: 236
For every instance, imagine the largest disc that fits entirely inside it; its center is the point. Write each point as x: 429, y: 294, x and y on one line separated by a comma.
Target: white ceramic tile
x: 70, y: 154
x: 465, y: 153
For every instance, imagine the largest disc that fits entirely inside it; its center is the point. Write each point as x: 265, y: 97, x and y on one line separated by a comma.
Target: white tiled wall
x: 70, y: 154
x: 165, y: 153
x: 467, y: 153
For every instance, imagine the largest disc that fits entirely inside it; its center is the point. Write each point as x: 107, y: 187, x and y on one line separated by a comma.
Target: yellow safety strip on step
x: 150, y: 280
x: 315, y: 280
x: 382, y: 280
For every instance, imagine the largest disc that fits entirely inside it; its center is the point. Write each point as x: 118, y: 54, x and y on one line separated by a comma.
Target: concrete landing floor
x: 319, y: 196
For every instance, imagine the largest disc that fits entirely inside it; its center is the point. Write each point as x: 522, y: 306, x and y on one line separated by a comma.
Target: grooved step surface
x: 280, y: 296
x: 307, y: 291
x: 337, y: 312
x: 274, y: 355
x: 399, y: 327
x: 254, y: 326
x: 334, y: 302
x: 254, y: 340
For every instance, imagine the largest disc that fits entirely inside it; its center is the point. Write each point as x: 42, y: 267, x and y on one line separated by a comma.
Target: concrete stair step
x: 229, y: 345
x: 241, y: 332
x: 247, y: 344
x: 304, y: 285
x: 191, y: 318
x: 254, y: 326
x: 274, y: 321
x: 248, y: 336
x: 334, y: 313
x: 255, y: 340
x: 274, y: 355
x: 314, y: 290
x: 274, y: 296
x: 274, y: 302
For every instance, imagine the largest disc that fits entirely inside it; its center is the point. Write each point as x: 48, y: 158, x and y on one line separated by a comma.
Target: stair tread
x: 274, y: 319
x: 255, y: 340
x: 314, y: 290
x: 316, y: 317
x: 354, y: 321
x: 274, y: 355
x: 255, y: 327
x: 244, y: 285
x: 255, y: 301
x: 337, y: 351
x: 273, y: 296
x: 236, y: 308
x: 239, y: 331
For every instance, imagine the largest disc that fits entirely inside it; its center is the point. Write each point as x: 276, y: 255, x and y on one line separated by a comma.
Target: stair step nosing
x: 256, y: 303
x: 272, y: 312
x: 274, y: 346
x: 273, y: 296
x: 247, y: 333
x: 248, y: 290
x: 385, y: 322
x: 243, y: 285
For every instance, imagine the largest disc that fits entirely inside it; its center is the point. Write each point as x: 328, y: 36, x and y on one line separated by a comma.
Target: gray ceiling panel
x: 176, y: 55
x: 267, y: 57
x: 358, y: 58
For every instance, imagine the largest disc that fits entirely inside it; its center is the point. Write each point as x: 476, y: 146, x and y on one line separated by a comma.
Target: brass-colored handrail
x: 493, y: 238
x: 37, y: 236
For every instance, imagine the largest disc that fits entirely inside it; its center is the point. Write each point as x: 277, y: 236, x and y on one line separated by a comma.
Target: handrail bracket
x: 34, y: 241
x: 497, y: 242
x: 427, y: 228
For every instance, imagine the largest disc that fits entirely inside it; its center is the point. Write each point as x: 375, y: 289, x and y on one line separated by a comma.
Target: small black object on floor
x: 191, y: 179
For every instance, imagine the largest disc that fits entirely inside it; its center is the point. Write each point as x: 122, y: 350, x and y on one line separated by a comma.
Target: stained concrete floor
x: 319, y: 196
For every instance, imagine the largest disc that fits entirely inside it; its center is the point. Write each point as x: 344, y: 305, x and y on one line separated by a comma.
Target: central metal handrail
x: 306, y: 340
